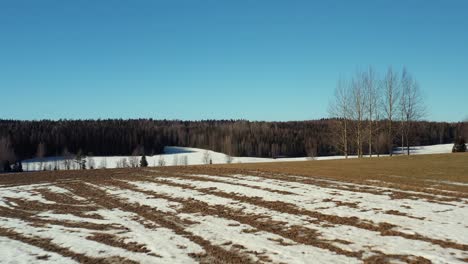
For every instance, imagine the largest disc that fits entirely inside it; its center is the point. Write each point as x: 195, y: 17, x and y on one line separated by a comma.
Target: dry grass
x: 417, y: 170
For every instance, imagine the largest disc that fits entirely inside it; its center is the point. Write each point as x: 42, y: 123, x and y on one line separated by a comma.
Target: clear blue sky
x: 212, y: 59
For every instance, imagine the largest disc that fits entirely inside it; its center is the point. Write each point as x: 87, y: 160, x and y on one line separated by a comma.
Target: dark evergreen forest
x: 28, y: 139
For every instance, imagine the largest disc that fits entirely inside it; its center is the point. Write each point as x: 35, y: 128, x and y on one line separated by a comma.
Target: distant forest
x: 21, y: 140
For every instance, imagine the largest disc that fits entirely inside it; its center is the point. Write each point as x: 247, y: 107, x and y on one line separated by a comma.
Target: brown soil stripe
x: 206, y: 179
x: 30, y: 216
x: 49, y: 246
x: 383, y: 258
x: 114, y: 241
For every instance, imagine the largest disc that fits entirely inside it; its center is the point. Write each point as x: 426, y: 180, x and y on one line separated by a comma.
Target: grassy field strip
x: 435, y: 214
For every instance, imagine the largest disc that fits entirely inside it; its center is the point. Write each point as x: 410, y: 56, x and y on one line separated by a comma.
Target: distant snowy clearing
x: 174, y: 156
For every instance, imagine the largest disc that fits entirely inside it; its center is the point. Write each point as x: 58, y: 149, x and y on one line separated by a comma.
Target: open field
x: 400, y: 209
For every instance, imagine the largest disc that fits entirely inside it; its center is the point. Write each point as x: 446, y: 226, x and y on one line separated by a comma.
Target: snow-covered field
x: 169, y: 216
x: 192, y: 156
x: 433, y: 149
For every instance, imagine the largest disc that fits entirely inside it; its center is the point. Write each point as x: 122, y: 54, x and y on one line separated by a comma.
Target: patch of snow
x: 25, y: 192
x: 14, y: 251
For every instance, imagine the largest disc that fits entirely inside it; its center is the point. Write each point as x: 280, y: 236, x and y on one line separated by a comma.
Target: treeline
x: 21, y: 140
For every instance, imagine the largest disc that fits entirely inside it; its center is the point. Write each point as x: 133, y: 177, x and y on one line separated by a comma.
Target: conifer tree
x: 143, y: 161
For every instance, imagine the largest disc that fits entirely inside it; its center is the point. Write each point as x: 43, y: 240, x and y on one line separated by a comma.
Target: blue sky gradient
x: 210, y: 59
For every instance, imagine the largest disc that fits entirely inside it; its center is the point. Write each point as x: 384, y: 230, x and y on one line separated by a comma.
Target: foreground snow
x: 174, y: 156
x: 189, y: 218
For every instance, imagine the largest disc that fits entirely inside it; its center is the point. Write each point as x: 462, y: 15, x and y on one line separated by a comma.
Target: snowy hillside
x: 174, y: 156
x: 433, y: 149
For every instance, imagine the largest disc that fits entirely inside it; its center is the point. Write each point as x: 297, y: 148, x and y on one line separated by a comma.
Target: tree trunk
x: 390, y: 138
x: 345, y: 141
x: 370, y: 138
x: 407, y: 146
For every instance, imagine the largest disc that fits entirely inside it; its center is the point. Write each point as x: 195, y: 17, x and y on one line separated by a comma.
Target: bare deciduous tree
x: 91, y: 163
x: 390, y: 104
x: 184, y: 160
x: 229, y: 159
x: 371, y: 102
x: 7, y: 155
x: 133, y: 161
x: 161, y: 161
x: 40, y: 153
x: 80, y: 160
x: 67, y: 159
x: 465, y: 129
x: 122, y: 163
x: 206, y: 157
x: 311, y: 149
x: 411, y: 105
x: 339, y: 108
x: 103, y: 163
x: 358, y: 105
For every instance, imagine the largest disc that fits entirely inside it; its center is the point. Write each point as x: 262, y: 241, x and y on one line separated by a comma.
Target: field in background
x: 176, y: 156
x: 440, y: 171
x: 399, y: 209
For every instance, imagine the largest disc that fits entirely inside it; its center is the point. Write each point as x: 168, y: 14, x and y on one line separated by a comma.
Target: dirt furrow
x: 28, y: 211
x: 49, y: 246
